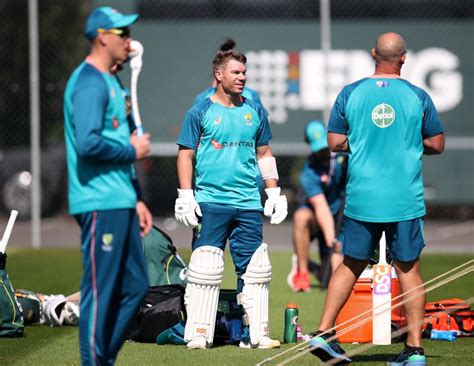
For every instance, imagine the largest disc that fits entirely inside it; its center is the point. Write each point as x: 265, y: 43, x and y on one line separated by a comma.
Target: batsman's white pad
x: 201, y: 298
x: 53, y: 314
x: 254, y: 296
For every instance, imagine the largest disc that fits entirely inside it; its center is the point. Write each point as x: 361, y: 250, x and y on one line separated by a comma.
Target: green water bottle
x: 291, y: 321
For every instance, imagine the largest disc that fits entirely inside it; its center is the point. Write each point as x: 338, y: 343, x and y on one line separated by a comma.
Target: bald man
x: 385, y: 124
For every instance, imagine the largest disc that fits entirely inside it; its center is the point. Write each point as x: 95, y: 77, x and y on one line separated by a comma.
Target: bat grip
x: 135, y: 111
x: 8, y: 231
x: 139, y: 130
x: 383, y: 249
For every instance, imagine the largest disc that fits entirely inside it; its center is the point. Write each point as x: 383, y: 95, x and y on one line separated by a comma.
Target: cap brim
x: 315, y: 147
x: 126, y: 21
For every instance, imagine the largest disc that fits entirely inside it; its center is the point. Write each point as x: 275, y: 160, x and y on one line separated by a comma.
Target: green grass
x: 59, y: 270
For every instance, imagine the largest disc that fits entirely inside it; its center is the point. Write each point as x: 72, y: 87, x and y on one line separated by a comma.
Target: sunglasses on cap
x: 121, y: 32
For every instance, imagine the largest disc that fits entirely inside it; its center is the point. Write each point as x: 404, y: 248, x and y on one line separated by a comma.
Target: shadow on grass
x: 381, y: 357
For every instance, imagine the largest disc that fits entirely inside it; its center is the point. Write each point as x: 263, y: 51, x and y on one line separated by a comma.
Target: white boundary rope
x: 269, y: 359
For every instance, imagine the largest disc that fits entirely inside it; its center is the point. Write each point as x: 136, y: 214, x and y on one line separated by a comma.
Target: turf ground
x: 59, y: 270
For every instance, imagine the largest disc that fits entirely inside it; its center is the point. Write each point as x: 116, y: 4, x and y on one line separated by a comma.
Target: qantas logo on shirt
x: 383, y: 115
x: 216, y: 145
x: 219, y: 146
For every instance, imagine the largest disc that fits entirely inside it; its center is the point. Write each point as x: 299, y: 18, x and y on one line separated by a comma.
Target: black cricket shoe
x: 327, y: 351
x: 410, y: 356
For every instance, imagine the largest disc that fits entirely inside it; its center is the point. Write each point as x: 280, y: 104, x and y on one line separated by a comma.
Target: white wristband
x: 185, y: 193
x: 268, y: 168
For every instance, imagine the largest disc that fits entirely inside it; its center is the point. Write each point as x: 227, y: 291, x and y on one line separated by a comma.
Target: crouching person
x: 228, y: 135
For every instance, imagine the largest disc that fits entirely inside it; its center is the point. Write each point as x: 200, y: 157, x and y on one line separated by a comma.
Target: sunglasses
x: 121, y: 32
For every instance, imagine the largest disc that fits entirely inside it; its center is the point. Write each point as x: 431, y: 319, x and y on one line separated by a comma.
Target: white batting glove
x: 276, y: 206
x: 186, y: 208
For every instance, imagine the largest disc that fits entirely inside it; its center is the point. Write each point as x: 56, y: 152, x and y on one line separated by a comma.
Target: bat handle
x: 139, y: 130
x: 8, y: 231
x: 383, y: 249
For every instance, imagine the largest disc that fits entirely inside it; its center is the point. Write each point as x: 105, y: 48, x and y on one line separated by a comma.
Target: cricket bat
x: 8, y: 231
x: 382, y: 296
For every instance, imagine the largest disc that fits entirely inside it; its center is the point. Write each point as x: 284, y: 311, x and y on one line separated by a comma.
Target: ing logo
x: 383, y: 115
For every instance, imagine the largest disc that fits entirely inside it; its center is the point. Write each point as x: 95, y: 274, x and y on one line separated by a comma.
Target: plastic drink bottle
x: 291, y: 321
x: 443, y: 335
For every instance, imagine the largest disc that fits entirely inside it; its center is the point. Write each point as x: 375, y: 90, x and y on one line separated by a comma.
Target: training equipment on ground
x: 163, y: 305
x: 71, y: 313
x: 206, y: 269
x: 382, y: 294
x: 165, y: 266
x: 459, y: 320
x: 276, y: 206
x: 8, y: 231
x: 359, y: 301
x: 53, y: 314
x: 11, y: 319
x: 186, y: 208
x: 136, y: 63
x: 162, y: 308
x: 458, y: 271
x: 31, y: 305
x: 254, y: 299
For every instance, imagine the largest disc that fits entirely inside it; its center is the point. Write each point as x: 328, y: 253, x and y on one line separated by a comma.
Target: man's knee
x: 409, y: 267
x: 355, y: 265
x: 303, y: 218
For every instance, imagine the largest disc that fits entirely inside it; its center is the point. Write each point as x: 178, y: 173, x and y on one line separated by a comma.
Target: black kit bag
x: 162, y: 308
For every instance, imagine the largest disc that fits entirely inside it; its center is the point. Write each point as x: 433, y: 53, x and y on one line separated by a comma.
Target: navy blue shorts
x: 243, y: 229
x: 405, y: 239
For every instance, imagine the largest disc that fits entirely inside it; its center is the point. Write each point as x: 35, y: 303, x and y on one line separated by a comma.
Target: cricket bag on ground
x: 461, y: 319
x: 11, y: 320
x: 165, y: 266
x: 163, y: 306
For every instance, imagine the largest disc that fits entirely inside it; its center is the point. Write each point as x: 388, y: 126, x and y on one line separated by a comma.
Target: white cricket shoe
x: 265, y: 343
x: 198, y: 343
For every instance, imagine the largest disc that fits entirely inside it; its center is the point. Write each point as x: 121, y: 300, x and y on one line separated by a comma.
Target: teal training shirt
x: 225, y: 141
x: 97, y: 134
x: 385, y: 120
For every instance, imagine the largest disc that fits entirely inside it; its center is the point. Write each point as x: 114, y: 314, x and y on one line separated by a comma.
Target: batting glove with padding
x: 276, y: 206
x: 186, y: 208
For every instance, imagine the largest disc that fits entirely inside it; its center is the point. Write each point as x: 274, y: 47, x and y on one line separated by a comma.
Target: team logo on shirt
x: 218, y: 120
x: 248, y: 119
x: 216, y: 145
x: 382, y: 83
x: 383, y: 115
x: 112, y: 93
x: 115, y: 122
x: 107, y: 240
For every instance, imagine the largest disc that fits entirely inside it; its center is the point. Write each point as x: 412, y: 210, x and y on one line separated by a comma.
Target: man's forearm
x: 185, y: 172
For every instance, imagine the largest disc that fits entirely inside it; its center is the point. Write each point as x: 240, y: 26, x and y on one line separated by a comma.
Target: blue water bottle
x: 443, y: 335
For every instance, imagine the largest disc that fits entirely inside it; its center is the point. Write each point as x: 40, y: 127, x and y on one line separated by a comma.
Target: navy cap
x: 316, y: 135
x: 106, y: 17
